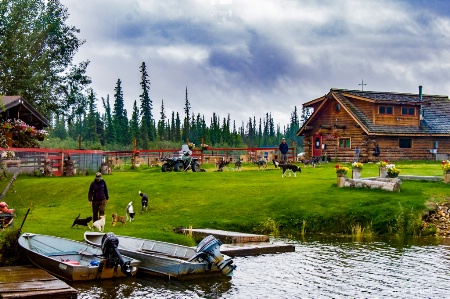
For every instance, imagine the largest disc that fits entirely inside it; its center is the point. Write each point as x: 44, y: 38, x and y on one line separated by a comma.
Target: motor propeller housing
x: 209, y: 249
x: 113, y: 257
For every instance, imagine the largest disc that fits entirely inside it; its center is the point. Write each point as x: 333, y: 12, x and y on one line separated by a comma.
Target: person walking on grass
x: 98, y: 196
x: 283, y: 151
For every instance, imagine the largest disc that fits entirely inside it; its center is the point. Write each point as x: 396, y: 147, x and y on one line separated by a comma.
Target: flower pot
x: 356, y: 173
x: 9, y: 138
x: 382, y: 173
x: 340, y: 174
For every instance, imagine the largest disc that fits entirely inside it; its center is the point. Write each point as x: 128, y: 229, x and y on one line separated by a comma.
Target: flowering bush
x: 383, y: 163
x: 8, y: 155
x: 191, y: 145
x: 392, y: 170
x: 204, y: 145
x: 41, y: 134
x: 341, y: 169
x: 358, y: 165
x: 446, y: 166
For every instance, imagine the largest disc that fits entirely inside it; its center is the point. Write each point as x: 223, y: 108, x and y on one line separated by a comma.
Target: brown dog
x: 116, y: 218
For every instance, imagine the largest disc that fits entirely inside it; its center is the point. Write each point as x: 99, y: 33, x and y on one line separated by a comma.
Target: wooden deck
x: 31, y: 282
x: 226, y: 237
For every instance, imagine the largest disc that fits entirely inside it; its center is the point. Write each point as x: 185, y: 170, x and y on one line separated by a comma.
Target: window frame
x: 400, y: 143
x: 408, y: 110
x: 385, y: 110
x: 344, y: 139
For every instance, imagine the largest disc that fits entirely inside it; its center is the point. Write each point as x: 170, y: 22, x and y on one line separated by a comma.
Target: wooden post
x: 201, y: 146
x: 9, y: 138
x: 133, y: 159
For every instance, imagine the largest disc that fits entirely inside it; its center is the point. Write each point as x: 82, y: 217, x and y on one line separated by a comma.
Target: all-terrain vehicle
x: 180, y: 164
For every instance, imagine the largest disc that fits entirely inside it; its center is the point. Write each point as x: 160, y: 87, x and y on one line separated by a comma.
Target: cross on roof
x: 362, y: 84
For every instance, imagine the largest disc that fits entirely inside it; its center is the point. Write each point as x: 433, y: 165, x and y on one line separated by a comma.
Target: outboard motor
x: 209, y: 249
x: 112, y: 254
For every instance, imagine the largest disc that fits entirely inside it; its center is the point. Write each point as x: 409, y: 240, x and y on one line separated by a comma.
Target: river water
x: 320, y: 267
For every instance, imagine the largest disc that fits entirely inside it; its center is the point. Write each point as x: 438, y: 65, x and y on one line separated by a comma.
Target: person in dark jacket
x: 283, y: 151
x: 98, y: 196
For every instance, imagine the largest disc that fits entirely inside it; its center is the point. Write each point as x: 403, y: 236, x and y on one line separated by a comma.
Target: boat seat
x: 61, y: 253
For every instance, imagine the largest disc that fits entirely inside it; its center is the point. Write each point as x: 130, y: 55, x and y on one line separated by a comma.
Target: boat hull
x: 70, y: 260
x: 160, y: 258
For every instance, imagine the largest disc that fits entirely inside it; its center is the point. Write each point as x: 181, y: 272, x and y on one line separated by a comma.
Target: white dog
x: 99, y: 224
x: 130, y: 212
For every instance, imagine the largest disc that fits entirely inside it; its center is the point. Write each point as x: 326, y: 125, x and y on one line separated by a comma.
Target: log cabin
x: 368, y: 126
x: 16, y: 107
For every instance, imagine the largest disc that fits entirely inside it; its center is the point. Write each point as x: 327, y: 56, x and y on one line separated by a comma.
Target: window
x: 405, y: 143
x: 337, y: 107
x: 385, y: 110
x: 344, y: 142
x: 317, y: 143
x: 408, y: 111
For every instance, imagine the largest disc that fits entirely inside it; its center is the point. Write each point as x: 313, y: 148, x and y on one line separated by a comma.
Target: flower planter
x: 356, y: 173
x: 9, y: 138
x: 340, y: 180
x: 382, y: 172
x: 447, y: 178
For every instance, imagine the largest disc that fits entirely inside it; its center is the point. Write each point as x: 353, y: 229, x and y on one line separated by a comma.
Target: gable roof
x: 435, y: 111
x: 17, y: 107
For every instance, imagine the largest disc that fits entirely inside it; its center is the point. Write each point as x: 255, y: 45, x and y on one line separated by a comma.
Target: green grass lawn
x: 248, y: 201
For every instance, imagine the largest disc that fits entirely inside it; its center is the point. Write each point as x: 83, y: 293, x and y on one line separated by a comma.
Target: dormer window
x: 385, y: 110
x: 408, y: 111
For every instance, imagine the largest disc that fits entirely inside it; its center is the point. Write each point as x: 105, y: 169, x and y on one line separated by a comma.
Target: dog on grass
x: 262, y: 163
x: 291, y: 168
x: 144, y: 201
x: 99, y: 224
x: 84, y: 222
x: 130, y: 211
x: 116, y: 218
x: 238, y: 165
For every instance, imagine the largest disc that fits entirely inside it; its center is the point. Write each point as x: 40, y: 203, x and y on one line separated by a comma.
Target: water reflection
x: 321, y: 267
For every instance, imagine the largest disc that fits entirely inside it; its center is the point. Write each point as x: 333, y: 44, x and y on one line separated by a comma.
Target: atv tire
x: 195, y: 167
x: 178, y: 167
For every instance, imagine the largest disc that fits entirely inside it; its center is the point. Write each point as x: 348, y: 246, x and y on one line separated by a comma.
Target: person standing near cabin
x: 98, y: 196
x: 283, y: 151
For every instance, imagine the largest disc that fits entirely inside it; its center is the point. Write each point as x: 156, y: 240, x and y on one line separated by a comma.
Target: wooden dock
x: 240, y: 244
x: 226, y: 237
x: 31, y: 282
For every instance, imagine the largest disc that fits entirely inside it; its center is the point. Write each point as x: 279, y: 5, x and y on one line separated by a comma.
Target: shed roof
x: 17, y: 107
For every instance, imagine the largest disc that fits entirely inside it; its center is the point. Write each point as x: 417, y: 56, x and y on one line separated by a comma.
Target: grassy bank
x: 248, y: 201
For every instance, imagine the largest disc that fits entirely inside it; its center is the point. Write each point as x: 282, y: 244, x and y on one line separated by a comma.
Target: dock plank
x: 31, y: 282
x: 251, y: 249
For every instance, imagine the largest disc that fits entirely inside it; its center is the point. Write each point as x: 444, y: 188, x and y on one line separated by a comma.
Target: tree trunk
x: 383, y: 184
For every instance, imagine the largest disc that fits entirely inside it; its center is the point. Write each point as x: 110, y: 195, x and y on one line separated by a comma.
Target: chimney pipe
x: 421, y: 104
x: 420, y: 92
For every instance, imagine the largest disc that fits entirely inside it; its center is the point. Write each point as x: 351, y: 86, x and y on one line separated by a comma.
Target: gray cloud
x: 251, y: 57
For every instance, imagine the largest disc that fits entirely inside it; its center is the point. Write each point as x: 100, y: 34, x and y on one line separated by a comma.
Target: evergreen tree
x: 187, y: 109
x: 134, y: 124
x: 59, y: 127
x: 90, y: 134
x: 110, y: 133
x: 162, y: 134
x: 120, y: 119
x: 177, y: 133
x: 147, y: 125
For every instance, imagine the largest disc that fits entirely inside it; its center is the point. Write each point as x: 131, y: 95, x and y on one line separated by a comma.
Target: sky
x: 247, y: 58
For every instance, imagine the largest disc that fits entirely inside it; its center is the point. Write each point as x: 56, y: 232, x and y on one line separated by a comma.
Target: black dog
x: 291, y: 168
x: 84, y: 222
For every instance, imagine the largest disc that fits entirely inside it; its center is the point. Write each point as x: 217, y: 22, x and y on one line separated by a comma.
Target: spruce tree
x: 110, y: 133
x: 120, y: 119
x: 134, y: 124
x: 147, y: 125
